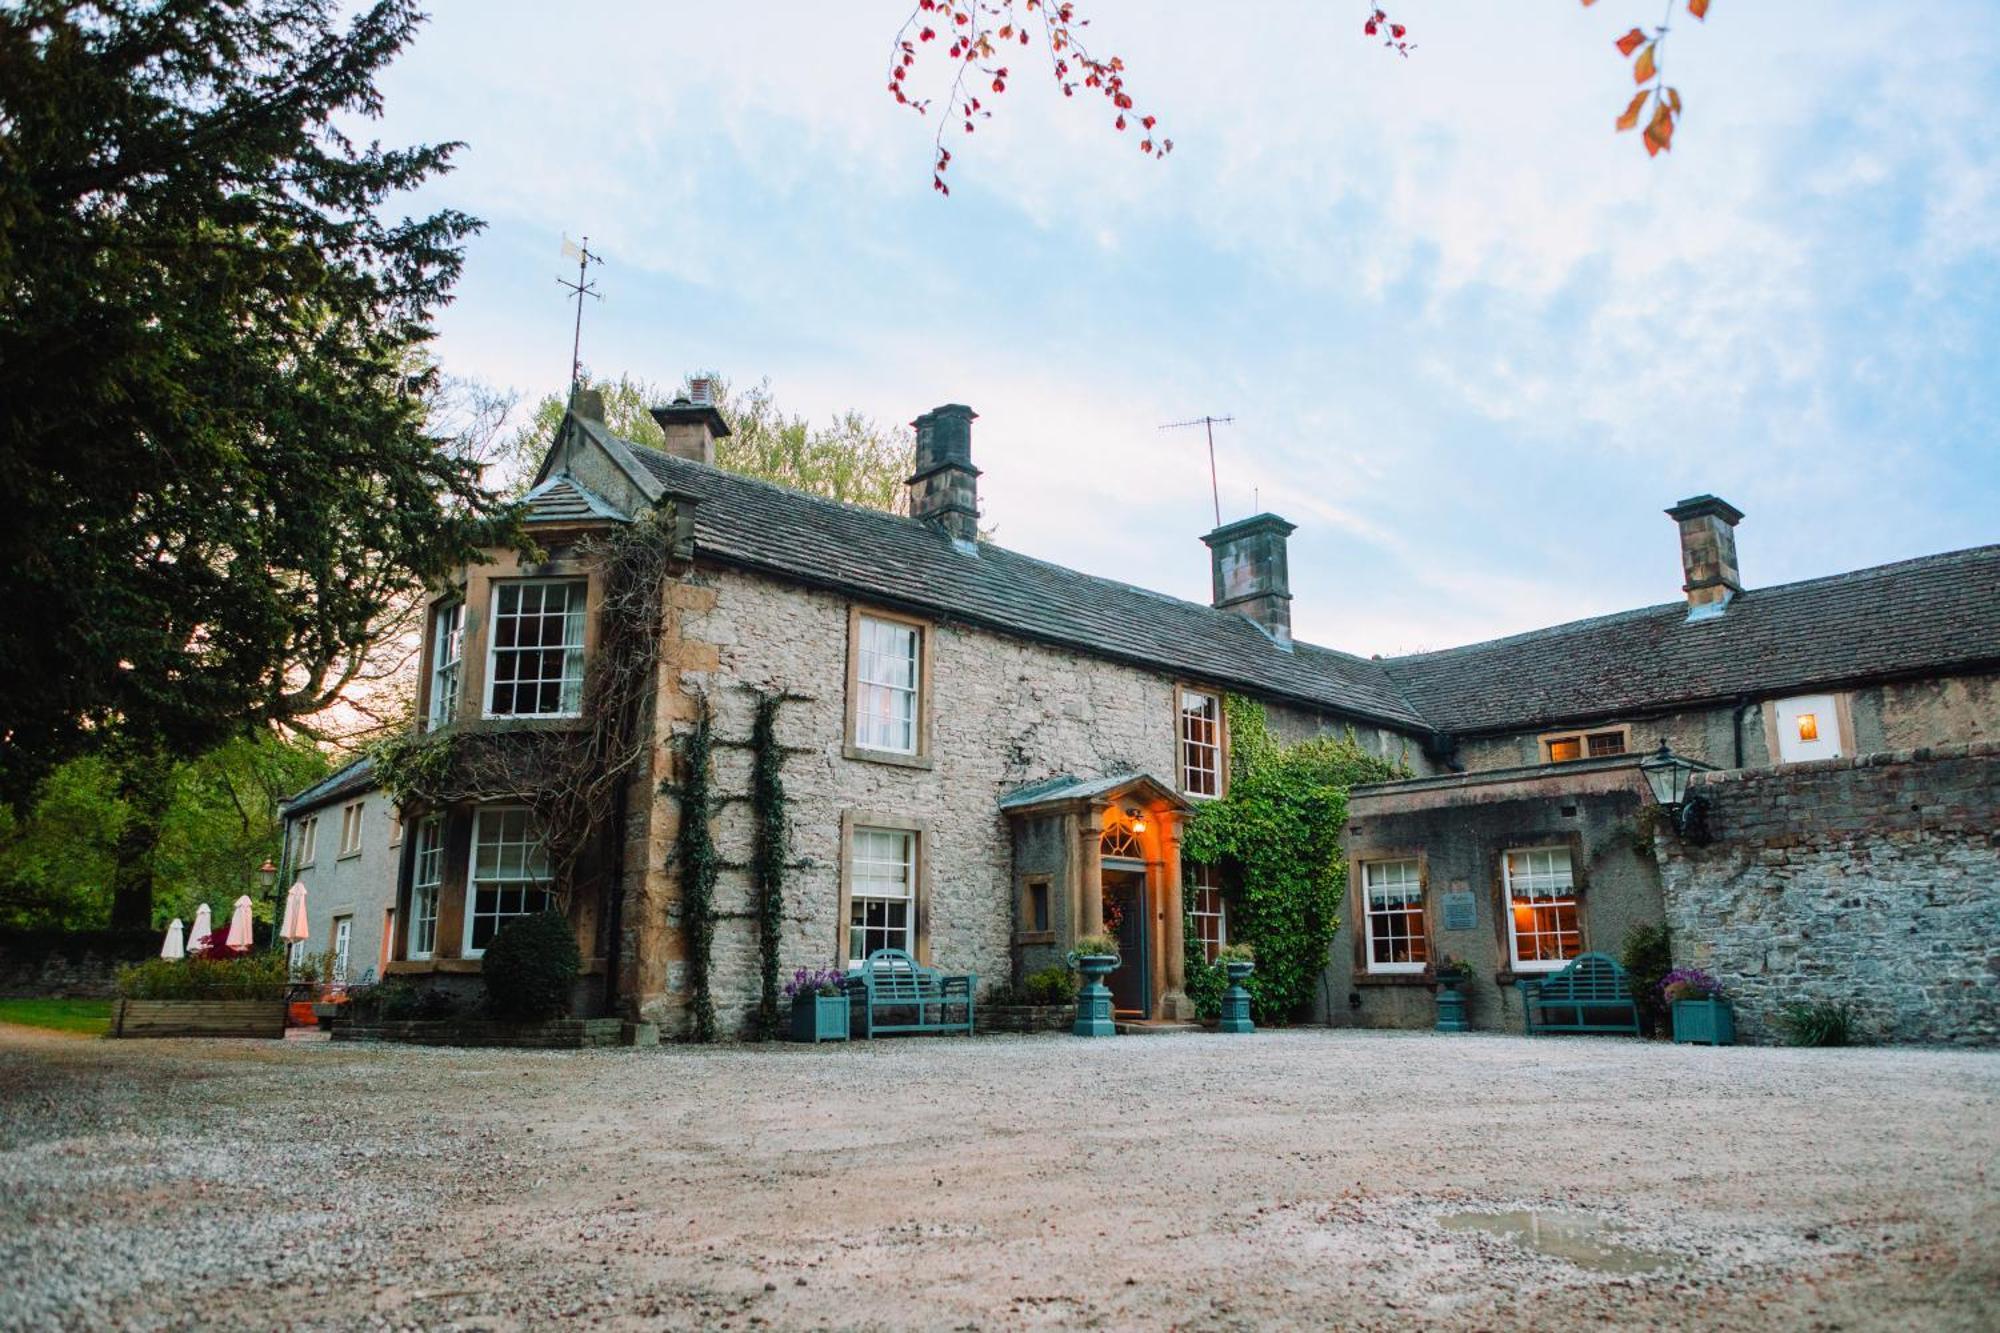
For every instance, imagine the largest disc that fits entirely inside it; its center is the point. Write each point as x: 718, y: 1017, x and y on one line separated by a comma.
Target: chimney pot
x: 692, y: 425
x: 1708, y: 552
x: 1250, y: 574
x: 944, y: 489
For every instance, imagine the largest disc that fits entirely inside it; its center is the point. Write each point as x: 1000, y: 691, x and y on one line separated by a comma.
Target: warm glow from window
x: 1808, y: 727
x: 1561, y: 752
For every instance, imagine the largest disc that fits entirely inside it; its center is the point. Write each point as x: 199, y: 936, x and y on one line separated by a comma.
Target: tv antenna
x: 1210, y: 423
x: 579, y: 289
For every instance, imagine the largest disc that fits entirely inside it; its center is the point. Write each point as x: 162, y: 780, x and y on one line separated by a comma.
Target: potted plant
x: 1700, y: 1008
x: 819, y: 1004
x: 1451, y: 975
x: 1239, y: 961
x: 1096, y: 956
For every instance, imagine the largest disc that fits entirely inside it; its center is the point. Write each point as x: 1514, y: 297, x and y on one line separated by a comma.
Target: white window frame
x: 575, y: 617
x: 447, y: 662
x: 865, y: 888
x: 343, y: 944
x: 1375, y: 920
x: 480, y: 818
x: 350, y: 829
x: 1556, y: 901
x: 877, y: 695
x: 308, y: 840
x: 426, y: 878
x: 1202, y: 781
x: 1198, y: 880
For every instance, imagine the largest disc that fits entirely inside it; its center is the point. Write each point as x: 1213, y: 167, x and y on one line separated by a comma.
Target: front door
x: 1125, y: 904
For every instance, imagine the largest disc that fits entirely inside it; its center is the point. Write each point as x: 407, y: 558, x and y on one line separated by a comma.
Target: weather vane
x: 579, y: 289
x: 1211, y: 423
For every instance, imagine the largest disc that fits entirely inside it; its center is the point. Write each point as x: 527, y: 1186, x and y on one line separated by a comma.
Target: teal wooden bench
x: 1565, y: 1001
x: 893, y: 992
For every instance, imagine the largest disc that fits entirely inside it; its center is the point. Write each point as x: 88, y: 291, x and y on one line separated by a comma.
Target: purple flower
x: 1689, y: 983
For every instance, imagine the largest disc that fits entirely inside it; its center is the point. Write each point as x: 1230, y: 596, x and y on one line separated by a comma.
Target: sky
x: 1473, y: 341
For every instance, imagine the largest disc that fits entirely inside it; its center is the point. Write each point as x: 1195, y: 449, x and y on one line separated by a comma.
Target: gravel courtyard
x: 1291, y: 1178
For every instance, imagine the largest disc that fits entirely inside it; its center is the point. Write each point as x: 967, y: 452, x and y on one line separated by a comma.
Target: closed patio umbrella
x: 198, y: 934
x: 173, y: 948
x: 239, y: 924
x: 295, y: 928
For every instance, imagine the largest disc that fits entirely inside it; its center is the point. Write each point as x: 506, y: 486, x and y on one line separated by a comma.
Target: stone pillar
x: 1090, y: 870
x: 1174, y: 1004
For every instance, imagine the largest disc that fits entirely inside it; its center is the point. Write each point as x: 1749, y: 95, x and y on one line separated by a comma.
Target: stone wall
x: 83, y: 965
x: 1874, y: 880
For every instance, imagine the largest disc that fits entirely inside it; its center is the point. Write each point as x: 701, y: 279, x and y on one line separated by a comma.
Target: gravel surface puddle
x: 1572, y: 1237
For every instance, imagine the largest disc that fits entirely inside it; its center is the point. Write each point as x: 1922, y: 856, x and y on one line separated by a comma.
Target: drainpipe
x: 614, y: 949
x: 1743, y: 703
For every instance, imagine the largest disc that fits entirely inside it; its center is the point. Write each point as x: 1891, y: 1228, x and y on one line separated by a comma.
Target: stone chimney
x: 587, y: 403
x: 1251, y: 576
x: 692, y: 425
x: 944, y: 490
x: 1708, y: 552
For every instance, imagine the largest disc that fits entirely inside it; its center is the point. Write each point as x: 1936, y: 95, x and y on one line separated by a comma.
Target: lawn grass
x: 86, y: 1016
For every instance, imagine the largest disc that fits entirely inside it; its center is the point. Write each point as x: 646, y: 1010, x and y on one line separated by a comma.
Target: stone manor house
x: 989, y: 755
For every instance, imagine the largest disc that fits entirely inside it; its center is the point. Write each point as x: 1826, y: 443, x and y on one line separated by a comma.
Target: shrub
x: 1100, y: 944
x: 1647, y: 957
x: 531, y: 967
x: 1236, y: 953
x: 1817, y: 1023
x: 1454, y: 970
x: 1050, y: 985
x: 256, y: 976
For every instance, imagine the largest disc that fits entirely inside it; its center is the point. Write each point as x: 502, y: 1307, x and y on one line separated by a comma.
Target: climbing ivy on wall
x: 767, y: 858
x: 694, y: 850
x: 1276, y: 834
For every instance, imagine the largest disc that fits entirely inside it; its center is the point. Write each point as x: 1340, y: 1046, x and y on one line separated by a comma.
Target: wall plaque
x: 1460, y: 911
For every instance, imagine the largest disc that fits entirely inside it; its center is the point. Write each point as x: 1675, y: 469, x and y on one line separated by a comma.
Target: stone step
x: 1129, y: 1027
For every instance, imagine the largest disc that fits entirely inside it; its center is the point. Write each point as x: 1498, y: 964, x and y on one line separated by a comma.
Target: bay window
x: 426, y: 875
x: 509, y: 876
x: 447, y: 658
x: 535, y: 649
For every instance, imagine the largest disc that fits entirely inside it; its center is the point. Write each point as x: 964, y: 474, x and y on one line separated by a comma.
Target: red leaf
x: 1631, y: 42
x: 1397, y: 30
x: 1660, y: 132
x: 1698, y: 8
x: 1631, y: 116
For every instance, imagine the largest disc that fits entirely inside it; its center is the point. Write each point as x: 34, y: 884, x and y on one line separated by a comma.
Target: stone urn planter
x: 817, y: 1018
x: 1093, y: 997
x: 1451, y: 1001
x: 1708, y: 1021
x: 1235, y: 999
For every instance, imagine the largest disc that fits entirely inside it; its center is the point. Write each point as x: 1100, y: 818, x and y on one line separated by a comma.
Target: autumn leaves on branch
x: 976, y: 35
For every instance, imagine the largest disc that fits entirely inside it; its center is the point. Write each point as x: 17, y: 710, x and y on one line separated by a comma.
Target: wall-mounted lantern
x: 1138, y: 819
x: 1668, y: 775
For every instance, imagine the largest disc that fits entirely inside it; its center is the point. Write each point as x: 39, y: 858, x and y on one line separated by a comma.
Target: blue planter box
x: 819, y: 1018
x: 1711, y: 1022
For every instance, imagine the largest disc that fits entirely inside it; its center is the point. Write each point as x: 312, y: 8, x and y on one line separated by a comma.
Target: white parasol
x: 173, y: 948
x: 239, y: 924
x: 295, y: 928
x: 199, y: 932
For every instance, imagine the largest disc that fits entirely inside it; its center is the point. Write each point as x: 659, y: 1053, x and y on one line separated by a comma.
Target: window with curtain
x: 1543, y: 932
x: 887, y: 672
x: 510, y: 874
x: 882, y: 910
x: 536, y: 651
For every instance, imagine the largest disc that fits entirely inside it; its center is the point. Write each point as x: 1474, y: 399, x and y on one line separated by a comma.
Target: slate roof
x: 1930, y: 616
x: 763, y: 526
x: 1069, y: 787
x: 563, y: 499
x: 354, y: 776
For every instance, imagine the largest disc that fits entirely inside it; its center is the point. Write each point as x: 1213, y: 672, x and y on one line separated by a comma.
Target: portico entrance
x: 1102, y: 855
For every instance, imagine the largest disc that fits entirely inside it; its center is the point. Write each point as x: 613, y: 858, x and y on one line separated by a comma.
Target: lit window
x: 1561, y: 749
x: 1561, y: 752
x: 537, y: 650
x: 447, y: 652
x: 1542, y: 927
x: 884, y: 896
x: 350, y: 828
x: 1808, y: 727
x: 886, y: 673
x: 1394, y: 899
x: 1201, y: 743
x: 510, y: 874
x: 308, y: 840
x: 1206, y: 909
x: 427, y: 875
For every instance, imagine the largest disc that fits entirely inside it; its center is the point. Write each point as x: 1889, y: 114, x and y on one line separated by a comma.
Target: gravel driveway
x: 1291, y: 1178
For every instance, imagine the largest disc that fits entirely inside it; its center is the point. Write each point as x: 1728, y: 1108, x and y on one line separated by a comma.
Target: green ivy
x: 767, y: 802
x: 1276, y: 834
x: 415, y: 765
x: 694, y: 849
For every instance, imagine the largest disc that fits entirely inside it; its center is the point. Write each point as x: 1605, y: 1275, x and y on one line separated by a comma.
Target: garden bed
x: 198, y: 1018
x: 563, y: 1034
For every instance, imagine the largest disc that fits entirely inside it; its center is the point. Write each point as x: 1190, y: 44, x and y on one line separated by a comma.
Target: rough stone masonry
x: 1873, y: 880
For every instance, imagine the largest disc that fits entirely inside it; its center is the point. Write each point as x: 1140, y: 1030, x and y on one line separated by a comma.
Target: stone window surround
x: 1496, y: 867
x: 920, y: 904
x: 1358, y: 895
x: 1581, y: 736
x: 473, y: 586
x: 1026, y: 933
x: 1181, y: 690
x: 926, y: 632
x: 490, y: 649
